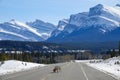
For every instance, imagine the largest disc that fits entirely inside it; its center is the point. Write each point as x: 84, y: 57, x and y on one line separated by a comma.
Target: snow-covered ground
x: 87, y: 61
x: 108, y: 66
x: 12, y: 66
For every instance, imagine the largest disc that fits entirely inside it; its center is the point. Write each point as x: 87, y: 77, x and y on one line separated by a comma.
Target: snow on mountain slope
x: 12, y: 66
x: 78, y: 19
x: 108, y: 66
x: 106, y: 11
x: 118, y: 5
x: 43, y: 28
x: 62, y: 24
x: 12, y: 33
x: 60, y: 27
x: 100, y: 22
x: 25, y: 26
x: 15, y: 30
x: 100, y: 19
x: 98, y: 15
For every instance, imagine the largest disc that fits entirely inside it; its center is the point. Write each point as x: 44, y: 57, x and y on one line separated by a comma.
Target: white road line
x: 84, y: 72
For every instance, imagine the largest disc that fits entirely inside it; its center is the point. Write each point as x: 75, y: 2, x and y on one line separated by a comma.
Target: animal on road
x: 56, y: 69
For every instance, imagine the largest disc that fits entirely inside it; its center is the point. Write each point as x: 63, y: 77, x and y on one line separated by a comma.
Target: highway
x: 69, y: 71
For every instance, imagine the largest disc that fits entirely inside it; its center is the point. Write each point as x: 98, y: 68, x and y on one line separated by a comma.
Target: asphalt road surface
x: 69, y: 71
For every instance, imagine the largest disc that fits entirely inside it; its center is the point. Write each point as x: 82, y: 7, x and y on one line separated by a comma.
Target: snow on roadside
x: 12, y: 66
x: 108, y: 66
x: 86, y: 61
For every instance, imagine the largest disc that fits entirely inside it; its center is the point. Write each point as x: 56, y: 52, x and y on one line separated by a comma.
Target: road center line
x: 84, y: 72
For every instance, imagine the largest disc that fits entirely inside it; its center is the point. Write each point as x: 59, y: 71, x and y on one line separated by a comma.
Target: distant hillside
x: 53, y: 47
x: 28, y: 46
x: 94, y: 46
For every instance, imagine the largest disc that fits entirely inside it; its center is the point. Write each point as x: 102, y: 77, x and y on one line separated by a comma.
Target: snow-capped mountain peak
x: 14, y: 22
x: 44, y: 28
x: 60, y: 27
x: 106, y: 11
x: 118, y: 5
x: 62, y: 24
x: 78, y: 19
x: 97, y: 10
x: 100, y: 22
x: 32, y: 31
x: 18, y: 23
x: 16, y: 30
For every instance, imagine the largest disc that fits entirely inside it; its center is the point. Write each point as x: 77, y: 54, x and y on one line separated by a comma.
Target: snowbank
x: 12, y: 66
x: 87, y: 61
x: 108, y: 66
x: 84, y: 61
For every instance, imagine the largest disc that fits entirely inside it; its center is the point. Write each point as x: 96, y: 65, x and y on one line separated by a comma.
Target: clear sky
x: 46, y: 10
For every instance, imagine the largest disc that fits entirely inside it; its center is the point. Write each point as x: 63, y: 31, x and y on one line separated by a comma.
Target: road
x: 69, y: 71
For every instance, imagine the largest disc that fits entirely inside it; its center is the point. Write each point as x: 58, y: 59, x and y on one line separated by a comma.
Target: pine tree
x: 15, y: 56
x: 119, y: 47
x: 4, y: 57
x: 113, y: 53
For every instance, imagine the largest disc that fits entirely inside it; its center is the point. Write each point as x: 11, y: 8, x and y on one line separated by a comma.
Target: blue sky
x: 46, y: 10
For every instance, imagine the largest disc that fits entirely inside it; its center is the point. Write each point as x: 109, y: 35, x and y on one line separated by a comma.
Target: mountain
x: 17, y: 31
x: 44, y: 28
x: 30, y: 31
x: 100, y: 24
x: 60, y: 27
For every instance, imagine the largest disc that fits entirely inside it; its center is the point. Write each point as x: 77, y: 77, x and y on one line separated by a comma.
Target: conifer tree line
x: 116, y: 53
x: 41, y: 57
x: 112, y: 53
x: 37, y: 57
x: 14, y: 56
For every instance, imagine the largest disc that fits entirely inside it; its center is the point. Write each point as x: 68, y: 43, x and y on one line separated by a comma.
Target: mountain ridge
x: 101, y: 23
x: 15, y: 30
